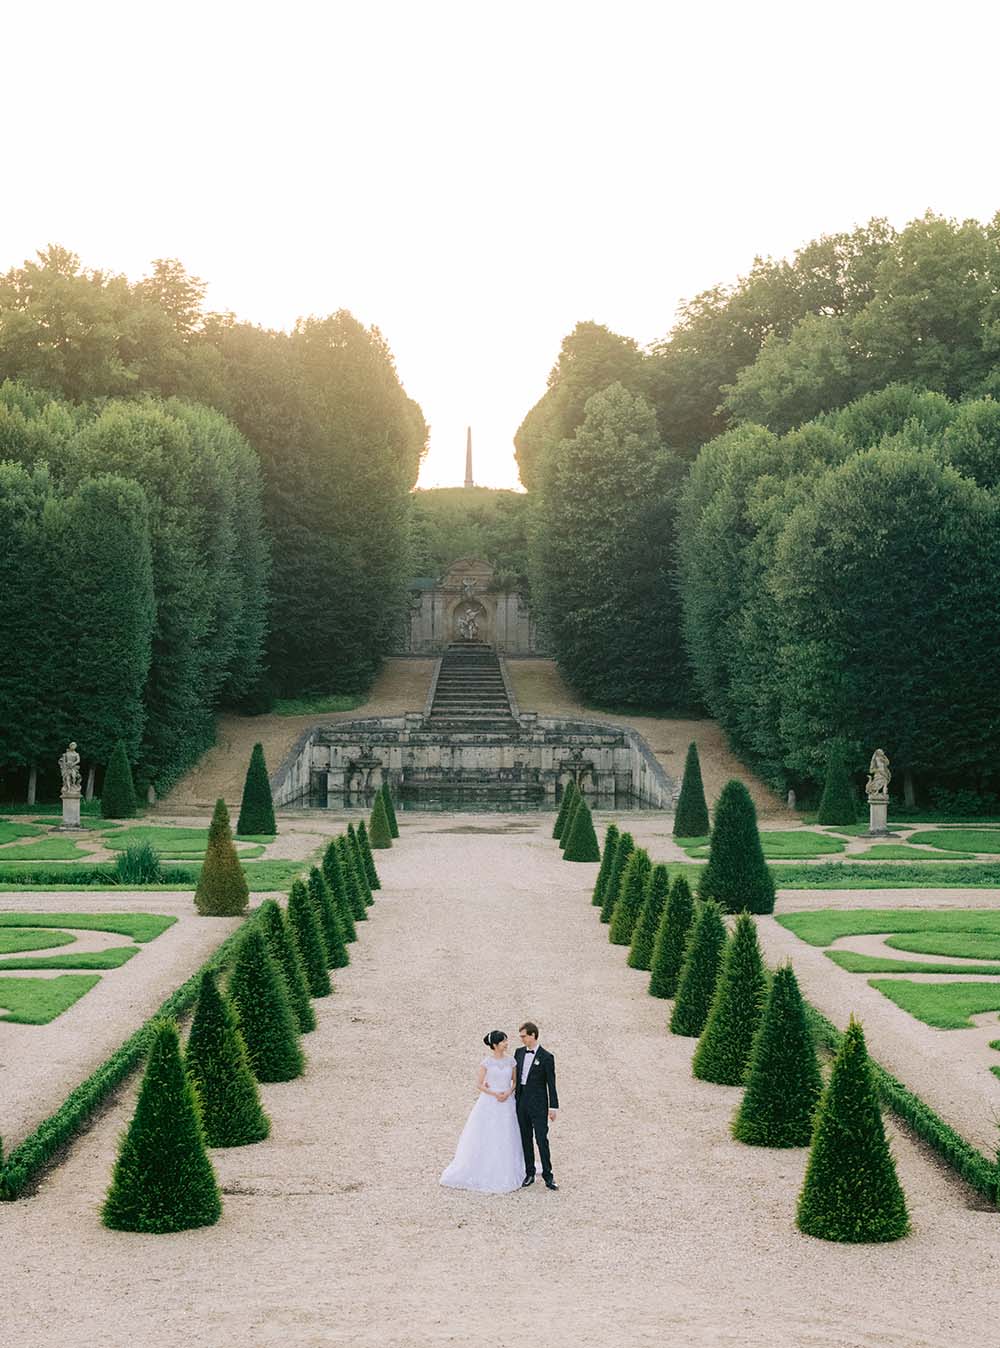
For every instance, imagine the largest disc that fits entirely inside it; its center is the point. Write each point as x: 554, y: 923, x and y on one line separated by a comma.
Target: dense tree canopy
x: 451, y: 522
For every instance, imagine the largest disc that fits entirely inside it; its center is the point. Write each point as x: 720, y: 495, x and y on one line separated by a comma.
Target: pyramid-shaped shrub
x: 700, y: 971
x: 723, y: 1051
x: 163, y: 1179
x: 284, y: 950
x: 736, y: 875
x: 611, y: 836
x: 266, y: 1020
x: 631, y: 895
x: 366, y: 851
x: 851, y: 1192
x: 302, y: 921
x: 118, y: 789
x: 352, y: 885
x: 217, y: 1065
x: 626, y: 846
x: 390, y: 809
x: 581, y: 842
x: 380, y: 831
x: 569, y: 796
x: 257, y: 806
x: 334, y: 876
x: 691, y: 814
x: 644, y: 934
x: 222, y: 887
x: 671, y: 940
x: 328, y: 920
x: 359, y: 866
x: 836, y: 805
x: 783, y: 1078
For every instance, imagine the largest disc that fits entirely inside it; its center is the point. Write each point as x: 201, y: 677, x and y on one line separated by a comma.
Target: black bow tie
x: 529, y: 1052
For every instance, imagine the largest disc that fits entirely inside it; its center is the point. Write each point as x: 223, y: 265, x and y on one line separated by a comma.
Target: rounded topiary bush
x: 671, y: 940
x: 783, y: 1078
x: 217, y: 1064
x: 625, y: 848
x: 691, y: 814
x: 352, y: 885
x: 163, y: 1179
x: 328, y: 920
x: 736, y: 875
x: 257, y: 806
x: 222, y: 889
x: 644, y: 934
x: 371, y: 874
x: 390, y: 809
x: 851, y: 1192
x: 631, y: 894
x: 302, y: 921
x: 260, y: 1000
x: 581, y: 841
x: 723, y: 1051
x: 359, y: 866
x: 611, y: 836
x: 380, y: 831
x: 284, y: 950
x: 118, y: 789
x: 837, y: 805
x: 334, y: 874
x: 700, y: 971
x: 568, y: 797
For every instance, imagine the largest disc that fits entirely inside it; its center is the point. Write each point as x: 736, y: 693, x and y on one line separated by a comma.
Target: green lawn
x: 824, y: 925
x: 17, y: 939
x: 173, y: 842
x: 9, y: 831
x: 947, y: 1006
x: 112, y: 958
x: 961, y: 839
x: 47, y: 849
x: 796, y: 845
x: 878, y: 964
x: 888, y: 875
x: 141, y: 927
x: 36, y: 1001
x: 972, y: 945
x: 315, y: 704
x: 904, y: 852
x: 261, y: 875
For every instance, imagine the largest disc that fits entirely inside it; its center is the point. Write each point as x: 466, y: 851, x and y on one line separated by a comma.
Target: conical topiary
x: 723, y: 1052
x: 222, y: 887
x: 700, y: 970
x: 257, y: 806
x: 118, y: 789
x: 359, y: 866
x: 671, y: 940
x: 623, y: 851
x: 581, y: 842
x: 284, y: 950
x: 381, y: 833
x: 217, y: 1064
x: 783, y: 1078
x: 574, y: 808
x: 333, y: 872
x: 163, y: 1179
x: 851, y: 1192
x: 611, y: 836
x: 328, y: 920
x: 371, y: 873
x: 352, y: 885
x: 568, y: 797
x: 266, y: 1020
x: 303, y: 923
x: 736, y: 875
x: 390, y: 809
x: 653, y: 904
x: 631, y: 894
x: 691, y: 814
x: 836, y: 805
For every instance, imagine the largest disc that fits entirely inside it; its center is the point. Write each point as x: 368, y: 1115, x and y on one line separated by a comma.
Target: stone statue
x: 468, y: 587
x: 69, y: 766
x: 879, y: 776
x: 468, y: 625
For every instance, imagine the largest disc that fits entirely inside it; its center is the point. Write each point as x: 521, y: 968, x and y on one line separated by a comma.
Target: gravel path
x: 336, y: 1232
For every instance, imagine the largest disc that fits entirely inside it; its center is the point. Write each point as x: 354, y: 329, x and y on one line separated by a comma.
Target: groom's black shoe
x: 551, y: 1184
x: 528, y: 1179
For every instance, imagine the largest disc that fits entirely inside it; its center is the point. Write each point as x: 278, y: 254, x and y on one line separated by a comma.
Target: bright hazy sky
x: 476, y: 178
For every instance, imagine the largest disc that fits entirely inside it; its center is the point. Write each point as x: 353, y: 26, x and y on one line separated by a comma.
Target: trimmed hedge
x: 723, y: 1051
x: 625, y: 848
x: 257, y: 805
x: 581, y: 840
x: 390, y: 809
x: 222, y: 889
x: 691, y: 815
x: 328, y: 920
x: 381, y: 832
x: 359, y: 866
x: 783, y: 1079
x: 568, y: 797
x: 334, y: 876
x: 217, y: 1064
x: 302, y: 921
x: 736, y: 875
x: 259, y: 995
x: 118, y: 789
x: 631, y: 895
x: 285, y: 952
x: 352, y: 885
x: 671, y: 940
x: 702, y: 958
x: 611, y: 836
x: 644, y: 935
x: 366, y: 851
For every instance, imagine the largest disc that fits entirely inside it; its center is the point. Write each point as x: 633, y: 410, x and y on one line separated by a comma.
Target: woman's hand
x: 503, y: 1095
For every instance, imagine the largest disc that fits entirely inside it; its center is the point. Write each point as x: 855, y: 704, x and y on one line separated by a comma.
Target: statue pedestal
x: 878, y: 815
x: 71, y: 807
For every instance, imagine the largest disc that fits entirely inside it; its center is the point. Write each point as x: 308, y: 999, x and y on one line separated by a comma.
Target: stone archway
x: 470, y: 621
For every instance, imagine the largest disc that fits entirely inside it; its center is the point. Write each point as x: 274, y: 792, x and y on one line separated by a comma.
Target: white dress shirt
x: 527, y: 1063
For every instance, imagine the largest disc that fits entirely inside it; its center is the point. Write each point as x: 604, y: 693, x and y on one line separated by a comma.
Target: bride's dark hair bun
x: 493, y: 1038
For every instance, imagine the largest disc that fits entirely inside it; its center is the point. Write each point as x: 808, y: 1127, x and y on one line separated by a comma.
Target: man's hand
x: 552, y: 1115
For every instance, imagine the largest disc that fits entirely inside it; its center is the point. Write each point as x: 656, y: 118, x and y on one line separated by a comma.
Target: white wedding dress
x: 489, y: 1157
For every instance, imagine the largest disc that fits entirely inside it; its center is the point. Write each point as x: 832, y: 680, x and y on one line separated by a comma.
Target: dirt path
x: 336, y: 1232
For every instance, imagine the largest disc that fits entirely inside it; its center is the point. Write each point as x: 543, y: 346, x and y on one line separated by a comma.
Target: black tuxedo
x: 534, y: 1100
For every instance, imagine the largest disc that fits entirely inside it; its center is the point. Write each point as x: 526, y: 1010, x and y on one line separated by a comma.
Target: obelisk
x: 468, y: 457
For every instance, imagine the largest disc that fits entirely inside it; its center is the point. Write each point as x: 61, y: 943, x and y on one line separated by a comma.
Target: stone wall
x: 467, y: 592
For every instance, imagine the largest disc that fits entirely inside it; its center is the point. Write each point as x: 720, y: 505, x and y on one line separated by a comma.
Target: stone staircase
x: 470, y: 696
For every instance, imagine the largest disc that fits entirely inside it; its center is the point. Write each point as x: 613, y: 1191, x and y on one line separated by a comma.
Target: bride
x: 489, y: 1157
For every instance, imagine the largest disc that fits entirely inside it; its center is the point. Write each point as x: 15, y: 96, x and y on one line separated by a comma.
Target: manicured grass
x: 15, y: 940
x: 795, y: 845
x: 172, y: 842
x: 9, y: 831
x: 889, y: 875
x: 690, y: 844
x: 961, y: 839
x: 47, y: 849
x: 947, y: 1006
x: 904, y: 852
x: 47, y: 808
x: 140, y: 927
x: 261, y: 875
x: 36, y: 1001
x: 112, y: 958
x: 878, y: 964
x: 316, y: 703
x: 972, y: 945
x: 824, y: 925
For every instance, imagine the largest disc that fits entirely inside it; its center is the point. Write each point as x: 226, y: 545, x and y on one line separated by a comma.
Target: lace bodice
x: 498, y: 1072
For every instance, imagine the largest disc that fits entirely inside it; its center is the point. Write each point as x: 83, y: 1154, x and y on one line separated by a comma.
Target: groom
x: 537, y: 1102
